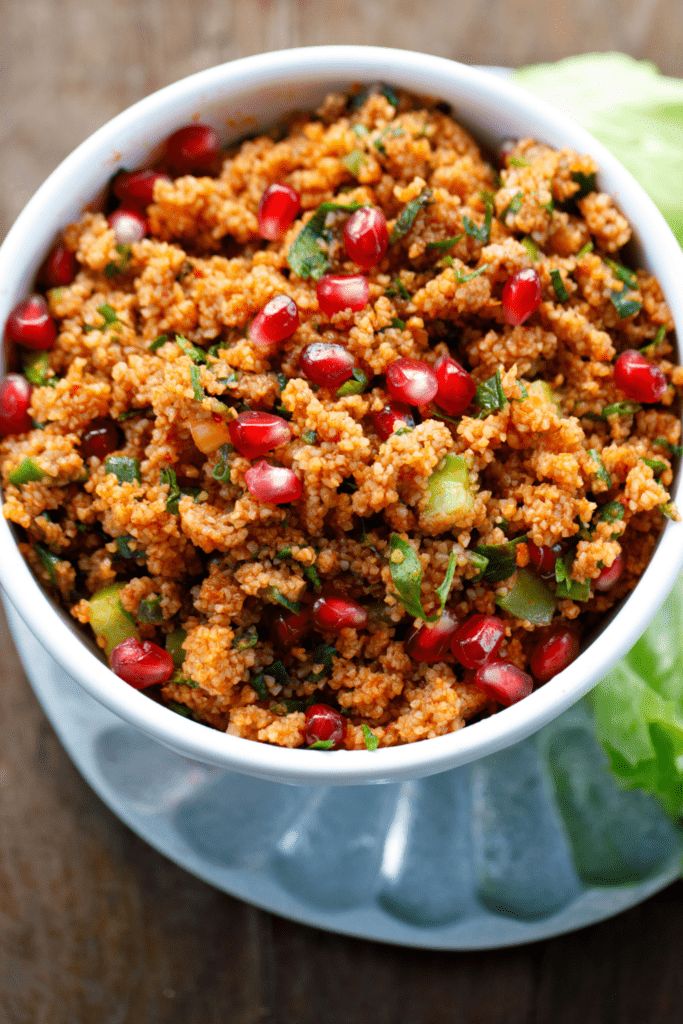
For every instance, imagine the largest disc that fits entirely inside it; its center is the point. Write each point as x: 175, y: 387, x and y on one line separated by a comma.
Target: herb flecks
x: 490, y: 396
x: 408, y: 215
x: 481, y: 232
x: 406, y: 575
x: 307, y: 255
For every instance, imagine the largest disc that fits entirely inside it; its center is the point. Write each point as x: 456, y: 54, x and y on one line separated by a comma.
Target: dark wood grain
x: 95, y: 927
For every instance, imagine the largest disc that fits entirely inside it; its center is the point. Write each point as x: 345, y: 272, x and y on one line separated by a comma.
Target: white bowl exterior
x: 237, y: 98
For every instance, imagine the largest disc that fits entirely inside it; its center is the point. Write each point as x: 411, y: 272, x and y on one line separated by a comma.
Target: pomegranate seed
x: 273, y: 485
x: 142, y: 663
x: 638, y: 378
x: 276, y: 322
x: 291, y: 627
x: 15, y: 399
x: 324, y: 724
x: 503, y: 682
x: 456, y: 386
x: 411, y: 381
x: 193, y: 149
x: 611, y: 575
x: 543, y: 558
x: 342, y: 291
x: 477, y: 640
x: 335, y: 613
x: 256, y: 433
x: 277, y: 209
x: 30, y: 324
x: 431, y: 643
x: 386, y: 419
x: 100, y: 439
x: 129, y: 226
x: 553, y: 652
x: 521, y: 296
x: 59, y: 269
x: 136, y: 188
x: 326, y: 365
x: 366, y: 237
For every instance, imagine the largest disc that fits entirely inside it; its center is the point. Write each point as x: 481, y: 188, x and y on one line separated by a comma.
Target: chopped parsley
x: 500, y: 561
x: 119, y: 266
x: 620, y: 409
x: 657, y: 340
x: 656, y: 465
x: 355, y: 386
x: 398, y: 289
x: 149, y: 610
x: 611, y: 512
x: 354, y: 161
x: 258, y: 684
x: 124, y: 550
x: 247, y: 640
x: 179, y: 709
x: 600, y: 472
x: 311, y: 574
x: 323, y: 655
x: 445, y: 244
x: 125, y: 469
x: 559, y: 286
x: 481, y: 233
x: 168, y: 477
x: 160, y: 340
x: 585, y: 249
x: 586, y: 183
x: 279, y: 673
x: 622, y: 273
x: 48, y: 561
x: 624, y: 306
x: 408, y: 215
x: 514, y: 206
x: 109, y: 318
x: 307, y: 257
x: 461, y: 277
x: 277, y: 596
x: 490, y: 396
x: 568, y: 587
x: 531, y: 248
x: 674, y: 449
x: 26, y: 472
x: 371, y: 741
x: 406, y: 575
x: 310, y: 437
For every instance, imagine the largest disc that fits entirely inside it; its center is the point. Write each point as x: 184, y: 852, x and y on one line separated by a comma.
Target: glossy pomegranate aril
x: 335, y: 613
x: 503, y: 682
x: 553, y: 652
x: 276, y: 322
x: 277, y: 210
x: 101, y: 439
x: 521, y: 296
x: 193, y: 149
x: 477, y: 640
x: 386, y: 420
x: 326, y: 364
x: 430, y: 644
x: 142, y: 663
x: 15, y: 399
x: 366, y: 237
x: 136, y: 188
x: 129, y: 226
x: 456, y: 386
x: 256, y: 433
x: 273, y: 485
x: 411, y: 381
x: 30, y: 324
x: 610, y: 575
x: 324, y: 725
x: 638, y: 378
x: 337, y: 292
x: 290, y: 628
x: 543, y: 557
x: 59, y: 269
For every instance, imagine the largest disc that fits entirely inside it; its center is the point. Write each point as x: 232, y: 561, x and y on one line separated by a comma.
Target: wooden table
x: 95, y: 927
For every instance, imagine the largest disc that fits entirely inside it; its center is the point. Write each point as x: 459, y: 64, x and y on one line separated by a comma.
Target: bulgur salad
x: 342, y: 437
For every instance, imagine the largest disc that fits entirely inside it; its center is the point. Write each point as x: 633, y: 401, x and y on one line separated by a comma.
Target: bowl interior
x: 239, y: 99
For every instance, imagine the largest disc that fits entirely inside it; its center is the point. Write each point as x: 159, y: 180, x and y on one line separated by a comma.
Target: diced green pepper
x: 528, y: 599
x: 450, y: 490
x: 36, y: 367
x: 109, y: 619
x: 174, y: 646
x: 125, y: 469
x: 26, y: 472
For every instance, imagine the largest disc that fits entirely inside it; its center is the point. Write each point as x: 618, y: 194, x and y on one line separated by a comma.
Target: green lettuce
x: 639, y: 710
x: 632, y: 108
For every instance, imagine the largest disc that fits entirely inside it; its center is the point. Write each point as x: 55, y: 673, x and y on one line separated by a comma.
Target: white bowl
x: 238, y: 97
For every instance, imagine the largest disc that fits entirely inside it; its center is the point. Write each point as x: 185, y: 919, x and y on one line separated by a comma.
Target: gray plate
x: 521, y: 846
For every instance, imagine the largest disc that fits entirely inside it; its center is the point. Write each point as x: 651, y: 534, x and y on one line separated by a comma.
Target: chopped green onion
x: 445, y: 243
x: 624, y: 306
x: 354, y: 161
x: 559, y: 286
x: 160, y: 340
x: 355, y: 386
x: 481, y: 233
x: 397, y: 288
x: 462, y: 278
x: 620, y: 409
x: 532, y: 249
x: 514, y: 206
x: 196, y: 380
x: 277, y: 596
x: 622, y: 273
x: 600, y: 471
x: 311, y: 574
x: 48, y: 560
x: 221, y: 471
x: 371, y: 741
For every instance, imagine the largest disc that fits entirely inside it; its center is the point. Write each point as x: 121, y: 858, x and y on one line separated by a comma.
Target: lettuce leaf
x: 639, y: 710
x: 633, y: 109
